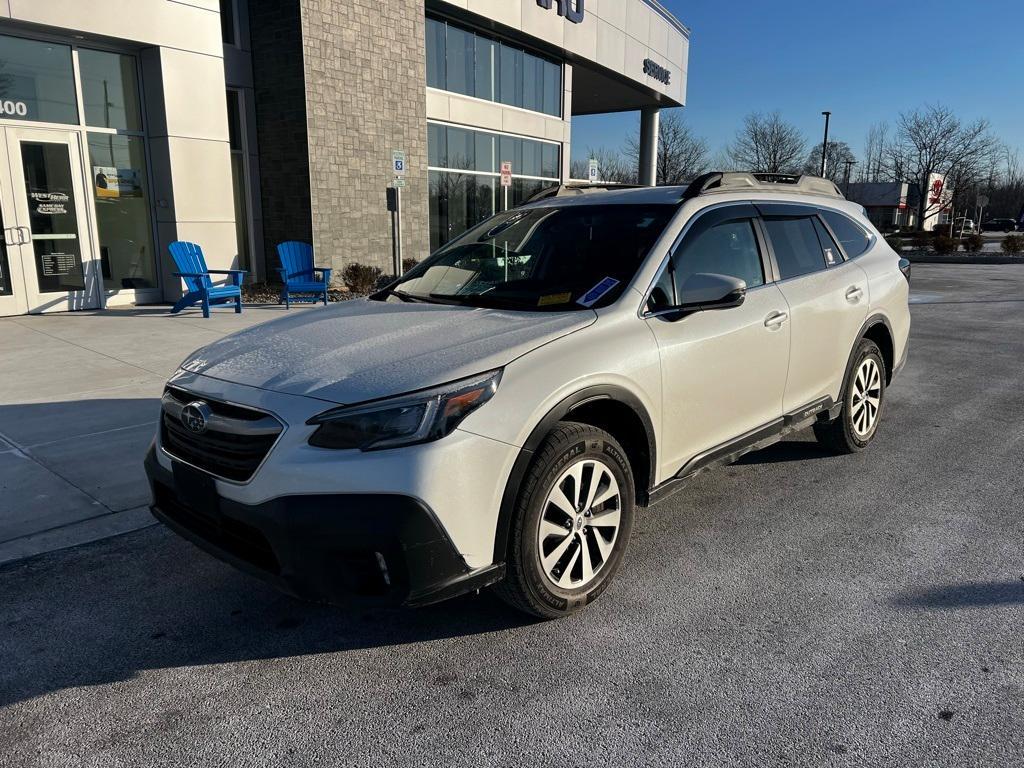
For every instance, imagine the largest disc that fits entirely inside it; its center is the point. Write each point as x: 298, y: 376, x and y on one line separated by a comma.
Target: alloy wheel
x: 579, y: 524
x: 867, y: 397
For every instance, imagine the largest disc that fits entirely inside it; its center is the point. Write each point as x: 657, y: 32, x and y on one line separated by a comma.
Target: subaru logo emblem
x: 195, y: 417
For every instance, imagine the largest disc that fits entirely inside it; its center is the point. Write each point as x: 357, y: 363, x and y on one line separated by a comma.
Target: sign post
x: 506, y: 179
x: 592, y: 171
x: 395, y: 206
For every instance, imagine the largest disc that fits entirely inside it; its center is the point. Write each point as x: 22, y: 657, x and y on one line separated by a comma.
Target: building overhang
x: 625, y: 54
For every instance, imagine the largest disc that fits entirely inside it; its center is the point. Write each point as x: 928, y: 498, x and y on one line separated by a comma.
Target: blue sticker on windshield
x: 591, y: 297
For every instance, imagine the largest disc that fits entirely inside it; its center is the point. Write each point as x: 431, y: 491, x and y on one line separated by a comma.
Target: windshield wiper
x: 483, y: 300
x: 410, y: 298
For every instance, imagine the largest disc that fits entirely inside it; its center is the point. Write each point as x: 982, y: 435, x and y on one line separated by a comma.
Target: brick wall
x: 365, y: 74
x: 280, y: 96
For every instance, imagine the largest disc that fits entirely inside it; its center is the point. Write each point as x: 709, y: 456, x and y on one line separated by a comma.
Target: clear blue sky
x: 865, y: 61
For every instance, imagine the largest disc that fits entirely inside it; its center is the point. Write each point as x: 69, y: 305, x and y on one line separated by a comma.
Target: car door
x: 827, y: 297
x: 723, y: 370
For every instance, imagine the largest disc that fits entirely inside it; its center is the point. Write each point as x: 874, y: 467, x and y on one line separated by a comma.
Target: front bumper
x: 331, y: 547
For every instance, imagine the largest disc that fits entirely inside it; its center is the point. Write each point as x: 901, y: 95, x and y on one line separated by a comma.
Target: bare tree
x: 767, y: 144
x: 875, y: 153
x: 612, y: 167
x: 932, y: 141
x: 837, y: 155
x: 682, y: 156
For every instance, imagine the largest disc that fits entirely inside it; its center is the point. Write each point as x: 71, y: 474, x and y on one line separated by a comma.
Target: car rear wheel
x: 573, y: 518
x: 863, y: 403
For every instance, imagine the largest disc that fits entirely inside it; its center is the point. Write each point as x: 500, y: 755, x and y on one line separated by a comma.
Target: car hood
x: 362, y: 350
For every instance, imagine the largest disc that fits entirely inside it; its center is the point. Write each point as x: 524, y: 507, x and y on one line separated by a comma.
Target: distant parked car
x: 999, y: 225
x: 966, y: 226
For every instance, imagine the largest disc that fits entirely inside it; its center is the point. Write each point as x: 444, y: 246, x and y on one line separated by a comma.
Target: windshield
x: 539, y: 259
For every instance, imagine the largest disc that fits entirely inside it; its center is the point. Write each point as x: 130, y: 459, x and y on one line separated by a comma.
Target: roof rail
x: 718, y: 181
x: 581, y: 188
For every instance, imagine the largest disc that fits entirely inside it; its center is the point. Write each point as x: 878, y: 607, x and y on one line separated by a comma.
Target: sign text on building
x: 658, y: 72
x: 571, y: 9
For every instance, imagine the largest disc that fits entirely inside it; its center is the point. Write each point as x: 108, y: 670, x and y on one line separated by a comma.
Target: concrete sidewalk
x: 79, y: 400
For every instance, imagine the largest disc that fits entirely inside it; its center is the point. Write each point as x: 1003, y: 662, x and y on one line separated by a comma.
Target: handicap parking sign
x: 398, y: 162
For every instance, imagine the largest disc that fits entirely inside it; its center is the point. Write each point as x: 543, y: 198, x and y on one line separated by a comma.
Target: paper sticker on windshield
x: 594, y: 295
x: 554, y: 298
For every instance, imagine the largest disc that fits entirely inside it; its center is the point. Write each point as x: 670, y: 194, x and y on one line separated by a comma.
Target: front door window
x: 53, y: 216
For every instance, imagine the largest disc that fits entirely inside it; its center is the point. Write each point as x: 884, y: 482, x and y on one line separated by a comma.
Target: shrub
x: 974, y: 243
x: 361, y: 278
x: 922, y: 239
x: 1013, y: 244
x: 408, y: 264
x: 943, y: 244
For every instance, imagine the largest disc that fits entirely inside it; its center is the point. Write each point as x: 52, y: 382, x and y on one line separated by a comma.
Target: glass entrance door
x: 13, y: 300
x: 50, y: 242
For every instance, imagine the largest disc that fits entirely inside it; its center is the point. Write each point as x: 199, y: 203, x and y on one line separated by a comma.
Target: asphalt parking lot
x: 793, y: 609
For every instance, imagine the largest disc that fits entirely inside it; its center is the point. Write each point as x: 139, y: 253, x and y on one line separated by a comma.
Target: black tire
x: 526, y: 586
x: 840, y: 434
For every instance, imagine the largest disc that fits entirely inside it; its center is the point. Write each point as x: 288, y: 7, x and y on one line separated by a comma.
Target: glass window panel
x: 53, y: 216
x: 121, y: 195
x: 37, y: 81
x: 833, y: 256
x: 511, y: 76
x: 552, y: 89
x: 234, y: 121
x: 436, y: 54
x: 461, y: 149
x: 110, y: 90
x: 485, y: 153
x: 531, y: 158
x: 510, y: 150
x: 730, y: 248
x: 437, y: 146
x: 227, y: 21
x: 853, y: 237
x: 533, y: 83
x: 458, y: 201
x: 6, y: 287
x: 486, y: 55
x: 549, y: 161
x: 460, y: 58
x: 797, y: 249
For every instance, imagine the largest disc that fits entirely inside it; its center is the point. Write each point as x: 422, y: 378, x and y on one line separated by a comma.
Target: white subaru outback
x: 497, y: 415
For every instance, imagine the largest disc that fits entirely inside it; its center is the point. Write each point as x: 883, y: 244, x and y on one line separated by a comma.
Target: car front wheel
x: 573, y: 518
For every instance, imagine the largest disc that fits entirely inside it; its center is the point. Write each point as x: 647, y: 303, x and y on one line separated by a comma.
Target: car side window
x: 853, y: 237
x: 729, y: 248
x: 795, y: 243
x: 833, y: 256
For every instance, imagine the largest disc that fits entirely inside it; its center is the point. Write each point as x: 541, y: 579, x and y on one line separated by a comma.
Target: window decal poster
x: 116, y: 182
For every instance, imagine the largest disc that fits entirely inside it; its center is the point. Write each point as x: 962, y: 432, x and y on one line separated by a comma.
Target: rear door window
x: 796, y: 245
x: 853, y: 237
x: 833, y: 256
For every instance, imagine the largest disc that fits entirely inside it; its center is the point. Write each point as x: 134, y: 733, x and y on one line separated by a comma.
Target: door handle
x: 9, y: 239
x: 775, y: 320
x: 854, y: 294
x: 28, y: 235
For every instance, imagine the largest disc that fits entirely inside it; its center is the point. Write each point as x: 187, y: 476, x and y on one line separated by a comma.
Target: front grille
x: 234, y: 537
x: 236, y: 440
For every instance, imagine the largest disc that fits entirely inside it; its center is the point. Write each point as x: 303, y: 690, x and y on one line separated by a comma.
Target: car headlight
x: 404, y: 420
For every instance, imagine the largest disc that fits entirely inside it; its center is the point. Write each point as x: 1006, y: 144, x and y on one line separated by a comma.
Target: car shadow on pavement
x: 977, y: 594
x: 104, y: 612
x: 785, y: 451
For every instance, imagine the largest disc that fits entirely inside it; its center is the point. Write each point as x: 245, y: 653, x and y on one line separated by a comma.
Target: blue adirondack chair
x: 300, y: 275
x: 192, y: 269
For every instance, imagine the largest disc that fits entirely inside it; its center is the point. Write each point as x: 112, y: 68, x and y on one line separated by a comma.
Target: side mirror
x: 705, y: 290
